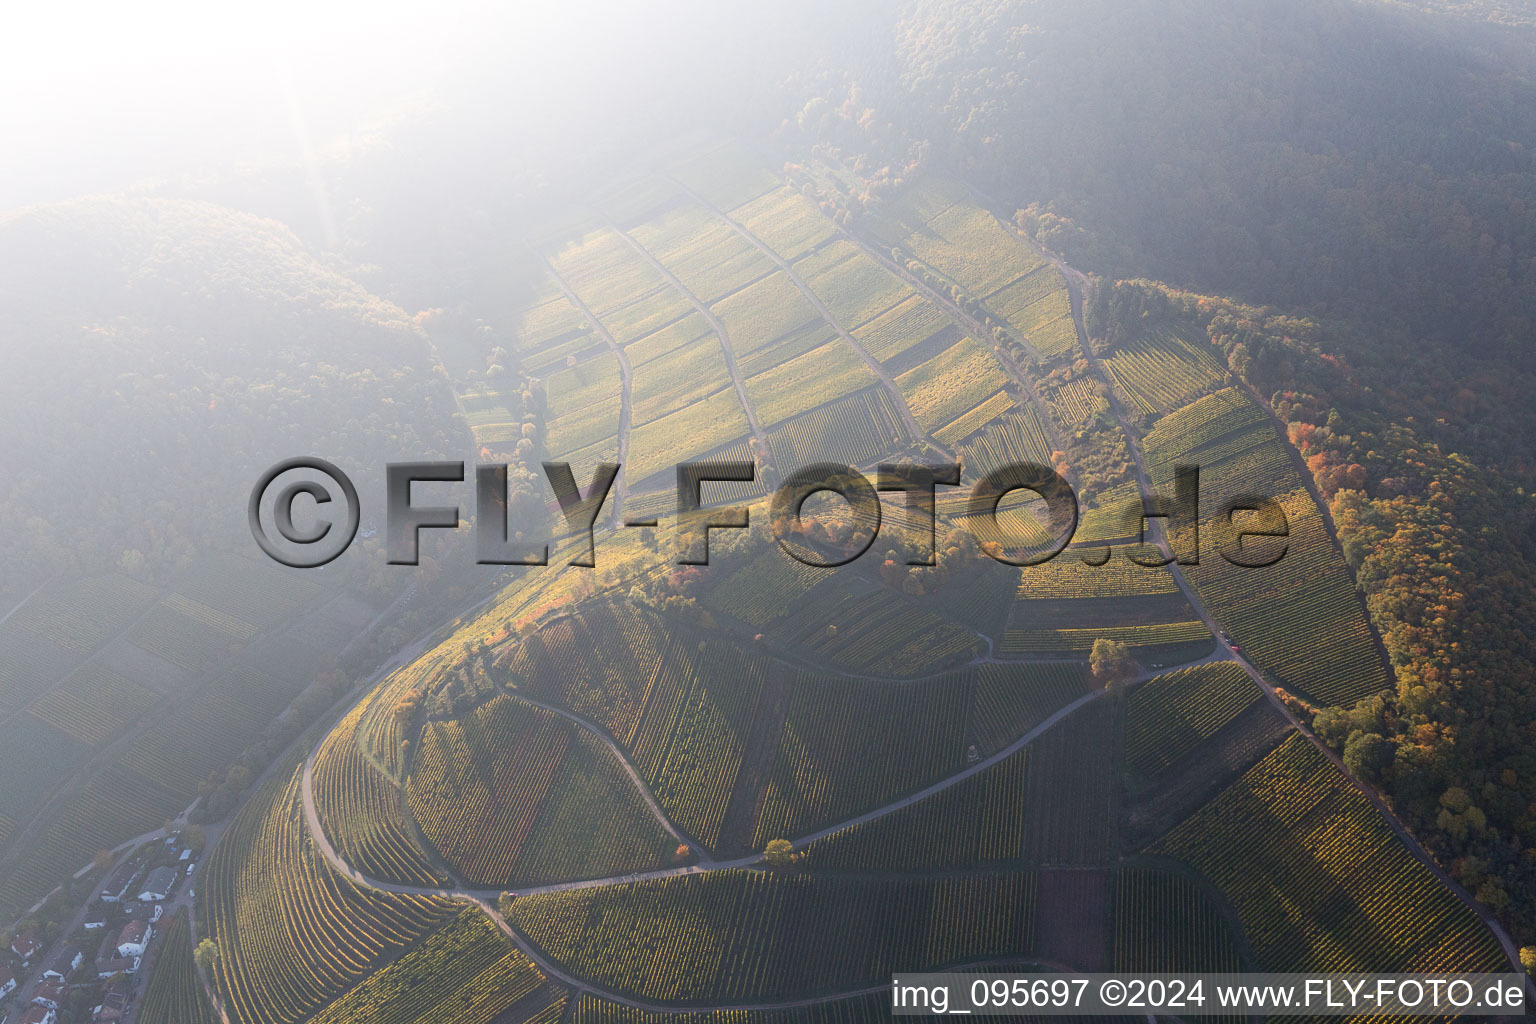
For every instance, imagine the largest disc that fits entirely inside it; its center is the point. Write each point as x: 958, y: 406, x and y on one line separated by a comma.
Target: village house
x: 134, y: 939
x: 118, y: 883
x: 64, y: 963
x: 114, y: 1003
x: 158, y: 885
x: 111, y: 968
x: 7, y: 983
x: 50, y: 993
x: 26, y: 946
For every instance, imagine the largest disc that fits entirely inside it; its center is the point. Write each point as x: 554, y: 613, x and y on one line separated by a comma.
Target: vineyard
x: 709, y: 258
x: 868, y: 629
x: 761, y: 699
x: 515, y: 794
x: 950, y: 384
x: 854, y: 287
x: 92, y: 703
x: 111, y: 807
x: 466, y: 972
x: 709, y: 423
x: 978, y: 820
x: 807, y: 381
x: 174, y: 995
x: 672, y: 381
x: 225, y: 715
x: 184, y: 638
x: 551, y: 331
x: 596, y: 662
x: 78, y: 616
x: 866, y: 1009
x: 1067, y: 800
x: 727, y: 176
x: 858, y: 430
x: 1170, y: 715
x: 848, y: 745
x: 735, y: 936
x: 606, y: 273
x: 1353, y: 898
x: 689, y: 742
x: 293, y: 936
x: 785, y: 221
x: 1300, y: 617
x: 1154, y: 643
x: 584, y: 405
x: 1162, y: 371
x: 1075, y: 402
x: 938, y: 224
x: 900, y: 328
x: 1009, y: 700
x: 1165, y: 922
x: 359, y: 809
x: 767, y: 588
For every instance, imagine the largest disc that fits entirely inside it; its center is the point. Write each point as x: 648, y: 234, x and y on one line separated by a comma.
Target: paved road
x: 715, y: 325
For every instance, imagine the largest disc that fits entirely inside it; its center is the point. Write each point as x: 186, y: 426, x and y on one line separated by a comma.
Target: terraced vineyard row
x: 692, y: 734
x: 734, y: 936
x: 1299, y: 617
x: 842, y: 752
x: 359, y: 809
x: 512, y: 793
x: 466, y: 972
x: 292, y: 934
x: 866, y: 1009
x: 1169, y: 716
x: 975, y: 821
x: 1162, y: 371
x: 1165, y: 922
x: 1353, y: 898
x: 174, y: 995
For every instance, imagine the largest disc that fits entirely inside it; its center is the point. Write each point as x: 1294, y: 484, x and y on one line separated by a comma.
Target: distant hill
x: 159, y: 347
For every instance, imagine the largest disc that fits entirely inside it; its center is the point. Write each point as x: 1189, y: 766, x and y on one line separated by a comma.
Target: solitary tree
x: 206, y: 955
x: 1111, y: 662
x: 779, y: 853
x: 1528, y: 959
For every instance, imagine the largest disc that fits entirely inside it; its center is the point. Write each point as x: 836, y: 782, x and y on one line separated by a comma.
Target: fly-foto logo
x: 1253, y: 529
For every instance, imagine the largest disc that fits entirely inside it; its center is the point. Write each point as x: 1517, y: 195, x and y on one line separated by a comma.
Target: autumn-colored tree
x: 1111, y: 662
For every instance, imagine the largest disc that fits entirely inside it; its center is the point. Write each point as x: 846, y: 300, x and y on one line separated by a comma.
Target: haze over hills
x: 1293, y: 243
